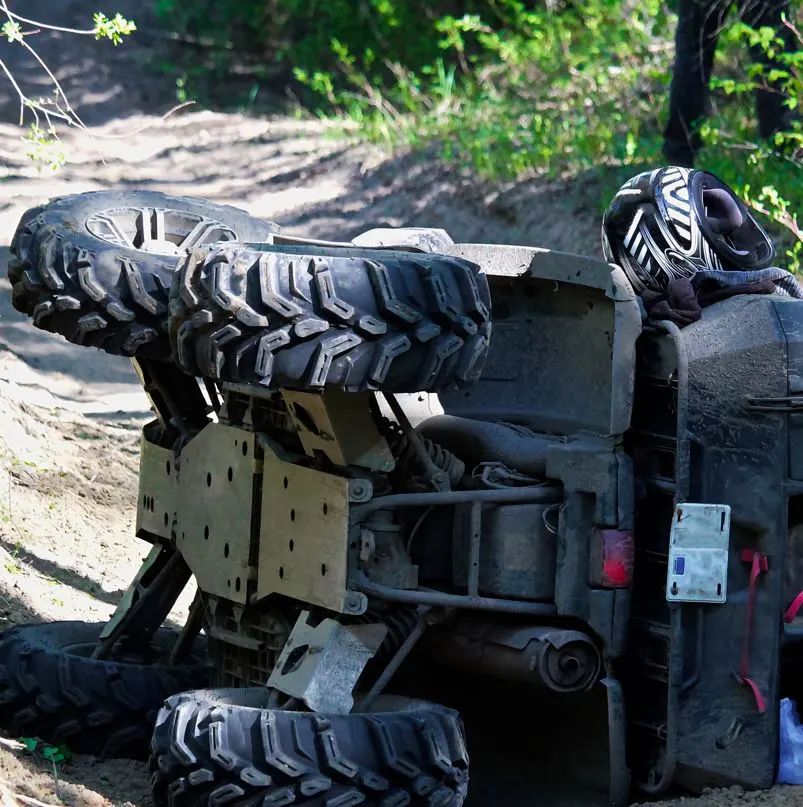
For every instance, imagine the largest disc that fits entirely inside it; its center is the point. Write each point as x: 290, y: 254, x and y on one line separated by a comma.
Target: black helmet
x: 672, y: 222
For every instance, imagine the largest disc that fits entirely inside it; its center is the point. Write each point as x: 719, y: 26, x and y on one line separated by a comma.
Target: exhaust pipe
x: 564, y: 661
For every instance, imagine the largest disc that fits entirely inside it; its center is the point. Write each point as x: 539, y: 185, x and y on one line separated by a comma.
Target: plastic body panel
x: 699, y: 441
x: 562, y: 353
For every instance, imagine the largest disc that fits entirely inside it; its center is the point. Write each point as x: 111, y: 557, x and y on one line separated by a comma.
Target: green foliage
x: 114, y: 29
x: 12, y: 567
x: 12, y: 30
x: 571, y: 89
x: 52, y: 753
x: 43, y: 146
x: 41, y: 141
x: 509, y: 88
x: 266, y: 39
x: 769, y: 176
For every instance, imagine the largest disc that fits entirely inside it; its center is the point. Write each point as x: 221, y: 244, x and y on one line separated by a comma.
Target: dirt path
x: 69, y: 442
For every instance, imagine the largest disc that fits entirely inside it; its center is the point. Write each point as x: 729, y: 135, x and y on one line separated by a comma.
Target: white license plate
x: 698, y: 553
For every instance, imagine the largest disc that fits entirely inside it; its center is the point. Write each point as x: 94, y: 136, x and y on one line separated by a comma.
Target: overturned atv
x: 359, y: 476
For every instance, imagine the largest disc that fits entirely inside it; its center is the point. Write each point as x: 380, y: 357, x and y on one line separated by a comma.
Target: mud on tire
x: 97, y: 267
x: 50, y: 688
x: 310, y: 318
x: 208, y: 750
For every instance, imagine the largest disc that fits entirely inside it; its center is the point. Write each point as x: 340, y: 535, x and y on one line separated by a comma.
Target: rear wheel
x: 224, y: 747
x: 51, y: 688
x: 96, y: 267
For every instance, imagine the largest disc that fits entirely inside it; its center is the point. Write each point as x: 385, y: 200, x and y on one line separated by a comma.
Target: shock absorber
x: 408, y: 461
x: 400, y: 623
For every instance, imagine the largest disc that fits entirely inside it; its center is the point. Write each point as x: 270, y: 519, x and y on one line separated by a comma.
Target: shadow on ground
x: 527, y: 746
x: 55, y: 571
x: 15, y: 611
x: 45, y: 369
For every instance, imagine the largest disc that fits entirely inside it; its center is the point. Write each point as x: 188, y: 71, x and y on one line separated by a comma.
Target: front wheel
x: 225, y: 747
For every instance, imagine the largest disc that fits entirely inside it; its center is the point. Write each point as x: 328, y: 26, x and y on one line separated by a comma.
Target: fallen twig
x: 12, y: 799
x: 12, y: 744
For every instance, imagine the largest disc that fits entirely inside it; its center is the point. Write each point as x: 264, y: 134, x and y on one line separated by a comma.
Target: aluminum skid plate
x: 303, y: 542
x: 158, y: 485
x: 215, y: 516
x: 698, y: 554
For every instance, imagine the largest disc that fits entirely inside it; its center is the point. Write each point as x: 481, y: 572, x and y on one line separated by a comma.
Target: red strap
x: 792, y: 610
x: 758, y: 564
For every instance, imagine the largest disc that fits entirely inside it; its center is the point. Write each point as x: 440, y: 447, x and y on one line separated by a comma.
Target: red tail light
x: 611, y: 562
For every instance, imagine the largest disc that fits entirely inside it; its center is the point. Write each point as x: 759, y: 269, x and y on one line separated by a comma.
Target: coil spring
x: 408, y: 460
x: 400, y: 623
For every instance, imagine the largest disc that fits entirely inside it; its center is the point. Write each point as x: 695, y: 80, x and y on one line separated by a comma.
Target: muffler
x: 563, y: 661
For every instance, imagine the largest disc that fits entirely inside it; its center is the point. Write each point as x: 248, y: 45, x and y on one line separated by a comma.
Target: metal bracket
x: 339, y: 425
x: 175, y: 398
x: 133, y: 592
x: 321, y: 665
x: 163, y: 576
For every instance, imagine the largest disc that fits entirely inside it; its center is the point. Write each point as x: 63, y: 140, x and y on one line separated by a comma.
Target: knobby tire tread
x: 206, y: 754
x: 315, y: 318
x: 97, y: 294
x: 93, y: 706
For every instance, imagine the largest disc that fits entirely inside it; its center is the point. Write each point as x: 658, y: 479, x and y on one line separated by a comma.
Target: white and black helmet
x: 673, y: 222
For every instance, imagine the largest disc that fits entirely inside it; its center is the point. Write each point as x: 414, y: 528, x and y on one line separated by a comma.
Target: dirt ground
x: 71, y: 417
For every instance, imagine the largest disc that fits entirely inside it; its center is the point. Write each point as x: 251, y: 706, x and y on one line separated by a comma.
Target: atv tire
x: 96, y: 267
x: 312, y: 317
x: 218, y: 747
x: 51, y: 689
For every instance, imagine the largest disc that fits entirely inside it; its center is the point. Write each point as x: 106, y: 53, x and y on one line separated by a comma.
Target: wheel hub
x: 158, y: 231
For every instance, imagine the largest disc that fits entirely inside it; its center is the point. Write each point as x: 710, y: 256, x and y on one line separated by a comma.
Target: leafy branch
x: 42, y: 139
x: 778, y: 163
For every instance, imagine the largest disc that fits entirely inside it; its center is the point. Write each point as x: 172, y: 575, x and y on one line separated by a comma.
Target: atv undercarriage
x: 359, y: 476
